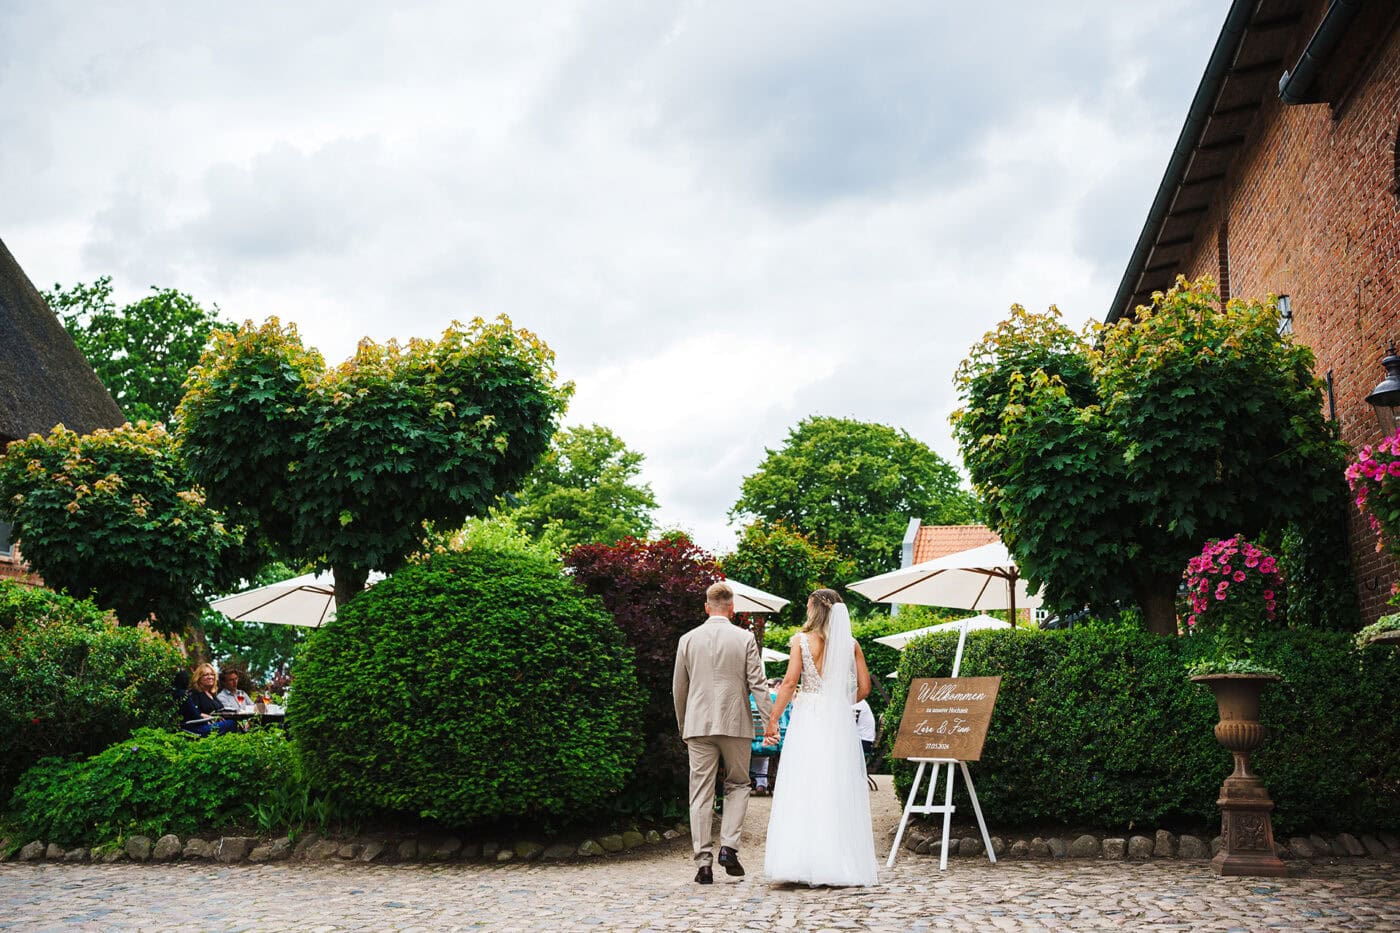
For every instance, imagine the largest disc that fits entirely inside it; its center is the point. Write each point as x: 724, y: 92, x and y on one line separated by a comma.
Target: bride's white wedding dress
x: 819, y: 831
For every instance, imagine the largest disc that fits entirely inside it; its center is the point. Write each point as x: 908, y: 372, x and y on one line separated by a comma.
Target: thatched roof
x: 44, y: 379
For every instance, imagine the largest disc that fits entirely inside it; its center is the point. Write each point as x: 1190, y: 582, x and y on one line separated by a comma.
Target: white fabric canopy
x: 973, y: 624
x: 979, y: 578
x: 771, y: 656
x: 307, y: 600
x: 752, y: 599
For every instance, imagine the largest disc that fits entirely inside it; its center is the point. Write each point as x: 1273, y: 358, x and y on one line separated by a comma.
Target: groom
x: 717, y: 667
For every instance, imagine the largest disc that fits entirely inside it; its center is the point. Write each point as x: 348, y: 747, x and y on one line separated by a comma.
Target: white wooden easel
x: 946, y: 807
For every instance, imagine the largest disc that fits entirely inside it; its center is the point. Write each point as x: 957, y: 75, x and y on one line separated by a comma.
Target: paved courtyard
x: 652, y: 890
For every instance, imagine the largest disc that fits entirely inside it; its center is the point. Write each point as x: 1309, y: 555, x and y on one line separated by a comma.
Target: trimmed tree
x: 346, y: 466
x: 854, y: 485
x: 113, y: 516
x: 1107, y: 459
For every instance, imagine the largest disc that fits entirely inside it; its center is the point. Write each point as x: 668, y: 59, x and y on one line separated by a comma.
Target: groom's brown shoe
x: 730, y: 860
x: 705, y: 875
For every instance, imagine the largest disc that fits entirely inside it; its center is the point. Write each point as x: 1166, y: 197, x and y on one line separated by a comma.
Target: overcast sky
x: 723, y: 217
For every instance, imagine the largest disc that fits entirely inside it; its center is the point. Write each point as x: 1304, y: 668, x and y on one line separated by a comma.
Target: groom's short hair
x: 719, y: 594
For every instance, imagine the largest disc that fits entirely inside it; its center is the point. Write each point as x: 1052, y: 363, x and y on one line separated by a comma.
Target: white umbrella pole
x: 957, y: 664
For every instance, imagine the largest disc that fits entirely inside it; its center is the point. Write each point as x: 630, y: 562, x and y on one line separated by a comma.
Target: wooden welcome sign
x: 946, y: 717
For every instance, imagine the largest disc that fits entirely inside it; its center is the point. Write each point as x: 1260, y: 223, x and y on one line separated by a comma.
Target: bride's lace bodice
x: 811, y: 677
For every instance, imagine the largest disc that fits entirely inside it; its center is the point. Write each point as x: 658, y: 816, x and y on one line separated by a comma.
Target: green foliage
x: 345, y: 466
x: 1227, y: 665
x: 113, y: 515
x: 142, y: 352
x: 73, y: 680
x: 153, y: 783
x: 781, y: 560
x: 1106, y: 460
x: 854, y: 485
x: 469, y: 688
x: 1100, y: 726
x: 1382, y: 626
x: 585, y: 490
x: 497, y: 531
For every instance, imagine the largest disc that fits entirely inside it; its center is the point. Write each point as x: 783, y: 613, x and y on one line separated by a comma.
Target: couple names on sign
x: 946, y: 717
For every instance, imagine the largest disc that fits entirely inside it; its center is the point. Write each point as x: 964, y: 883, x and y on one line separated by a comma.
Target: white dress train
x: 819, y: 830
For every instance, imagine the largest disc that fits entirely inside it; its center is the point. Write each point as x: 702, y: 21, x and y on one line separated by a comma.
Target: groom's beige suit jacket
x: 717, y: 667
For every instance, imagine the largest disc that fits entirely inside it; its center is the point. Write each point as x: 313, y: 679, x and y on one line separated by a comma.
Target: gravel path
x: 652, y: 890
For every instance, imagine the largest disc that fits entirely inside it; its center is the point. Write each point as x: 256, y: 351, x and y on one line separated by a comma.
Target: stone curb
x: 1161, y: 845
x: 312, y: 847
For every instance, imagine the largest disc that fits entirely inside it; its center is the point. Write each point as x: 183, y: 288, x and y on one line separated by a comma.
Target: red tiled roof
x: 933, y: 541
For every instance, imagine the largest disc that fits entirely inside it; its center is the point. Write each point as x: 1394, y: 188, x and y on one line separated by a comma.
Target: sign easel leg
x: 947, y: 818
x: 976, y: 808
x: 908, y: 808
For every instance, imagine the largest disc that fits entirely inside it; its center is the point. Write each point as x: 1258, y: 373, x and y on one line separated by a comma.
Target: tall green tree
x: 854, y: 485
x: 782, y: 560
x: 114, y: 516
x: 1107, y: 459
x: 585, y: 490
x: 347, y: 467
x: 142, y: 352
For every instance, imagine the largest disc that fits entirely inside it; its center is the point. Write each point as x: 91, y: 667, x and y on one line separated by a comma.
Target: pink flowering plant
x: 1374, y: 477
x: 1235, y: 588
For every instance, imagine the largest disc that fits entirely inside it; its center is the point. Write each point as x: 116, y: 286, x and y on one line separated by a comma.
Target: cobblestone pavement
x: 652, y: 890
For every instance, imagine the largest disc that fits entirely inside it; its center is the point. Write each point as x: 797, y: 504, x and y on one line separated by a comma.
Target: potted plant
x: 1374, y: 478
x: 1383, y: 631
x: 1234, y: 585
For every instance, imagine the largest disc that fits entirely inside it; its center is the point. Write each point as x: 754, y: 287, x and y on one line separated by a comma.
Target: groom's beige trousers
x: 705, y: 754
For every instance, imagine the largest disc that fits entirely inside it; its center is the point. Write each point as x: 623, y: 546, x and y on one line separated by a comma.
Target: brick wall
x: 12, y: 567
x: 1311, y: 211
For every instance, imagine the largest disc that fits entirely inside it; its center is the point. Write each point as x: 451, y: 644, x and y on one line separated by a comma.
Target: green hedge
x: 1099, y: 726
x: 72, y: 681
x: 153, y: 783
x: 470, y: 688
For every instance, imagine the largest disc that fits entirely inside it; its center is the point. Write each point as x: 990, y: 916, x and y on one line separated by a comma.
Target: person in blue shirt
x: 761, y: 759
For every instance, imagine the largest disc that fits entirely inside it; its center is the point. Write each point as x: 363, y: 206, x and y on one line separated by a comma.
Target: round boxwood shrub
x: 469, y: 688
x: 72, y: 681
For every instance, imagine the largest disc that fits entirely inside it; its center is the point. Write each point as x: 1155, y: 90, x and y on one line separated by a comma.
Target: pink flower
x: 1394, y: 468
x: 1268, y: 565
x: 1220, y: 594
x: 1252, y: 561
x: 1239, y: 576
x: 1269, y: 595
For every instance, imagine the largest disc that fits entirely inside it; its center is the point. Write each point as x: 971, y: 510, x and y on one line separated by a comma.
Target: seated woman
x: 230, y: 695
x: 200, y: 710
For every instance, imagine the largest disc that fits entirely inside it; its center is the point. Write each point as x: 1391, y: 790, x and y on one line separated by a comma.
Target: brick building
x: 1285, y: 180
x: 44, y: 381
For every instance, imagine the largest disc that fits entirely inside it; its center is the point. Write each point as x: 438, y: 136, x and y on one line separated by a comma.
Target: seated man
x: 230, y: 695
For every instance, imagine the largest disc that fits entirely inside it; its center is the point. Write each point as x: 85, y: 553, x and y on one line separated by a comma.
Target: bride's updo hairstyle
x: 819, y: 610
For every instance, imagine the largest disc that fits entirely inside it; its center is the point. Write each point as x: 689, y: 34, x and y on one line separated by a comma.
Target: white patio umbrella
x: 979, y: 578
x: 770, y: 656
x: 752, y: 599
x: 307, y: 600
x: 975, y: 623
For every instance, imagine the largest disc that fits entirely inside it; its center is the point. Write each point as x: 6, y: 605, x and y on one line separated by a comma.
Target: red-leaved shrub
x: 656, y: 593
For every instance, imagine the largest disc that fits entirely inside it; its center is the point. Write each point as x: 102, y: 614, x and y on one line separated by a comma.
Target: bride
x: 819, y: 831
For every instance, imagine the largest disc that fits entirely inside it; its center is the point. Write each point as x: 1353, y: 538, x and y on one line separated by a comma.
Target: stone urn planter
x: 1244, y: 801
